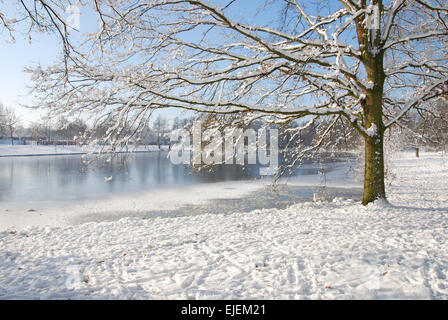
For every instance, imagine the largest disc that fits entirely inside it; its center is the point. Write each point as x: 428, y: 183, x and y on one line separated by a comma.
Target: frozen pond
x: 68, y: 178
x: 148, y: 184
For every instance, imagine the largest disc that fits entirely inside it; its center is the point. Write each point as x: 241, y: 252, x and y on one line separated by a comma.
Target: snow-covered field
x: 323, y: 250
x: 40, y: 150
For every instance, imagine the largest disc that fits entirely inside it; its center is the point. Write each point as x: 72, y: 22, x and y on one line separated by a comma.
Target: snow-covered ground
x: 40, y: 150
x: 323, y: 250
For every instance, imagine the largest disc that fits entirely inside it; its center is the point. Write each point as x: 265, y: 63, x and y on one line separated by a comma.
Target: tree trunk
x: 11, y: 134
x: 374, y: 152
x: 374, y: 169
x: 370, y: 42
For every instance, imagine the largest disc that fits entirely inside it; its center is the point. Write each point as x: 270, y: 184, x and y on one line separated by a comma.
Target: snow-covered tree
x: 9, y: 121
x: 2, y: 119
x: 431, y: 127
x: 367, y: 62
x: 160, y: 129
x: 69, y: 130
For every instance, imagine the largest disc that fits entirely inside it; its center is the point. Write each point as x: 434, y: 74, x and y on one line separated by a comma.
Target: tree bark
x: 374, y: 142
x: 374, y: 169
x: 369, y: 38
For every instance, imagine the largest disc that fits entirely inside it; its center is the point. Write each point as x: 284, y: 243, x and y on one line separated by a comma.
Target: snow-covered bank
x: 40, y: 150
x: 318, y: 250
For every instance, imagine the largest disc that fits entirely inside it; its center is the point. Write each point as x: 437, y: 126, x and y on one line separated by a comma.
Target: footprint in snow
x: 183, y: 281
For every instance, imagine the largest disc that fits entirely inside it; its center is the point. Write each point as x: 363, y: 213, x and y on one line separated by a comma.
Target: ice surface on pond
x: 148, y: 186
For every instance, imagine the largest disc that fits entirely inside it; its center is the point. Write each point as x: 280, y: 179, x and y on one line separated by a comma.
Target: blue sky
x: 14, y: 57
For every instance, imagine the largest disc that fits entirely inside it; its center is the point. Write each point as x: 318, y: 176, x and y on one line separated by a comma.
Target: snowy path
x: 310, y: 250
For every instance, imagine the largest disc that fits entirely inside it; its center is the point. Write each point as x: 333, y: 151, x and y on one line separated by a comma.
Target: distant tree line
x: 9, y: 123
x: 425, y: 126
